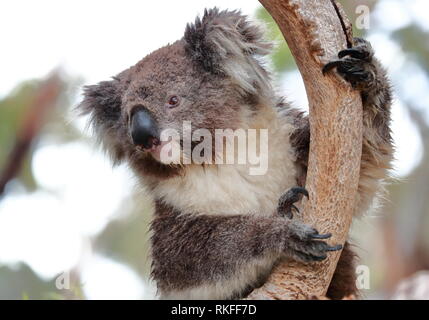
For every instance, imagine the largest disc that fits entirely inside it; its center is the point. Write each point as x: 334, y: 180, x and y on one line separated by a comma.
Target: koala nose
x: 144, y: 129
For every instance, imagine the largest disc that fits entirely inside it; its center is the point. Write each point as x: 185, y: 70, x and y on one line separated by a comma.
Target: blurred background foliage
x: 393, y: 242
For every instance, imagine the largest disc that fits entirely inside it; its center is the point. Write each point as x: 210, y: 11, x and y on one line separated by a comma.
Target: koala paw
x: 355, y: 65
x: 304, y: 243
x: 287, y: 200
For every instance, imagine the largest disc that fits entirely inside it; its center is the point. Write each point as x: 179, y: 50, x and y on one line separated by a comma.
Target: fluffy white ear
x: 226, y: 42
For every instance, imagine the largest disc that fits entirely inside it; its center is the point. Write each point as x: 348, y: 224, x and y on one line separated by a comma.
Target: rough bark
x: 315, y: 31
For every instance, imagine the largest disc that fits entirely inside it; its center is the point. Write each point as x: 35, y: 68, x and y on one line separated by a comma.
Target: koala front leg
x: 197, y: 256
x: 358, y: 66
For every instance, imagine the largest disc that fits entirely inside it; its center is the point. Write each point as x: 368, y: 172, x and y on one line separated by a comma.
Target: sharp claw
x: 357, y: 75
x: 330, y: 65
x: 350, y: 51
x: 356, y: 53
x: 321, y: 236
x: 293, y: 206
x: 319, y: 258
x: 301, y: 190
x: 334, y: 248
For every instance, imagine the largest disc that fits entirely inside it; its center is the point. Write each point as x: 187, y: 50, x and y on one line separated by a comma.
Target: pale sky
x: 95, y: 39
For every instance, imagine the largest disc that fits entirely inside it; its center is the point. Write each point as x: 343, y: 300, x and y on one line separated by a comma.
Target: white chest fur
x: 231, y: 189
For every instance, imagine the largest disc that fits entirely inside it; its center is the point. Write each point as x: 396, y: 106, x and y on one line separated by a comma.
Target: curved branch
x: 315, y: 31
x: 44, y: 100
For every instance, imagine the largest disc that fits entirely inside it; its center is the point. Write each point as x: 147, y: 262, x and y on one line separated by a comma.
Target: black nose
x: 144, y: 129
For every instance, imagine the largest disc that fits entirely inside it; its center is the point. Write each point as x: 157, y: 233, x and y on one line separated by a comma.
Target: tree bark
x: 316, y: 30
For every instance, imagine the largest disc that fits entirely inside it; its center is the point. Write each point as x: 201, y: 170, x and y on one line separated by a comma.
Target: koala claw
x: 335, y: 248
x: 331, y: 65
x: 287, y: 200
x: 356, y: 52
x: 321, y: 236
x: 305, y: 245
x: 355, y: 65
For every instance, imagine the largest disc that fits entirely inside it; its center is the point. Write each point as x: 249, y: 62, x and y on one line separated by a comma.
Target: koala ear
x: 225, y: 42
x: 102, y: 102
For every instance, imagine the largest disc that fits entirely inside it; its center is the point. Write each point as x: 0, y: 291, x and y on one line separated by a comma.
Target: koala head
x: 211, y: 77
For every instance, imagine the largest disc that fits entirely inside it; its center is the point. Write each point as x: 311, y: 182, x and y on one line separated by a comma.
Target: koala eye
x: 173, y: 101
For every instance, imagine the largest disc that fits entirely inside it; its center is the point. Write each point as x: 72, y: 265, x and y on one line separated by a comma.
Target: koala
x: 217, y: 230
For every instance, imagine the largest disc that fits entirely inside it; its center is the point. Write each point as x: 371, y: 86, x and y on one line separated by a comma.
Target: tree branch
x: 43, y: 101
x: 316, y: 30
